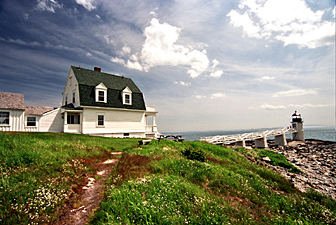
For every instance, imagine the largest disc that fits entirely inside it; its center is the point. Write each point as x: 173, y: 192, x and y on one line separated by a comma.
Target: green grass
x: 38, y: 170
x: 158, y: 183
x: 169, y: 188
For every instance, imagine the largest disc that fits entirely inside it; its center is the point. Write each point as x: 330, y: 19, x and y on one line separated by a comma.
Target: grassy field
x: 160, y: 183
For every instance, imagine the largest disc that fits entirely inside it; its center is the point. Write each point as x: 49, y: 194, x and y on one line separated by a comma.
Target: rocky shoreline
x: 315, y: 158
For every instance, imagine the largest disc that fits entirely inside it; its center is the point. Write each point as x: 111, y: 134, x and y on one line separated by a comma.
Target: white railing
x: 150, y: 108
x: 151, y: 129
x: 246, y: 136
x: 72, y: 128
x: 31, y: 129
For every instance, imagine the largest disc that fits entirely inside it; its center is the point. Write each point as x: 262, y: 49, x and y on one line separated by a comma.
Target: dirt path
x: 87, y: 196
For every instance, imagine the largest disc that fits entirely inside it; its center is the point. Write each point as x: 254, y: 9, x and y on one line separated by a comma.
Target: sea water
x: 325, y: 133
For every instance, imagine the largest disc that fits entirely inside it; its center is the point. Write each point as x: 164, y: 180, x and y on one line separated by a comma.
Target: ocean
x: 325, y: 133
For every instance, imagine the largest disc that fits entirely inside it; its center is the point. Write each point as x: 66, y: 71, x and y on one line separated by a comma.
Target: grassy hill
x: 160, y: 183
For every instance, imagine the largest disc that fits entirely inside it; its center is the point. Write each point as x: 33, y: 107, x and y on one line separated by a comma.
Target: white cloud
x: 292, y: 93
x: 199, y: 96
x: 272, y: 107
x: 88, y: 54
x: 289, y: 21
x: 88, y: 4
x: 215, y: 63
x: 308, y: 105
x: 264, y: 78
x: 217, y: 74
x: 182, y: 83
x: 160, y: 49
x: 267, y: 78
x: 126, y: 50
x: 48, y: 5
x: 117, y: 60
x: 218, y: 95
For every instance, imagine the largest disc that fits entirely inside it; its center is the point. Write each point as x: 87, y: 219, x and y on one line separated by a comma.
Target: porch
x: 150, y: 118
x: 72, y: 120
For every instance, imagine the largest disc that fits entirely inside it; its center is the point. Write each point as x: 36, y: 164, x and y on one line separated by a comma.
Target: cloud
x: 306, y: 105
x: 292, y: 93
x: 48, y: 5
x: 182, y: 83
x: 218, y: 95
x: 199, y: 96
x: 215, y: 63
x: 272, y: 107
x: 289, y: 21
x: 88, y: 4
x: 160, y: 49
x: 265, y: 78
x: 217, y: 73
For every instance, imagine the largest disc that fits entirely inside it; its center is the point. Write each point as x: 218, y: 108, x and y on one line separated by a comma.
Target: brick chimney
x: 98, y: 69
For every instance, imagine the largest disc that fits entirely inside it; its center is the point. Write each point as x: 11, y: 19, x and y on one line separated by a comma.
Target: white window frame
x: 103, y: 88
x: 127, y: 92
x: 104, y: 120
x: 31, y: 121
x: 5, y: 124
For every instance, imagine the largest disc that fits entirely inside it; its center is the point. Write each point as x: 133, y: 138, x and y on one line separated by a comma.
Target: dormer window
x: 127, y: 99
x: 101, y: 96
x: 127, y: 96
x: 101, y: 93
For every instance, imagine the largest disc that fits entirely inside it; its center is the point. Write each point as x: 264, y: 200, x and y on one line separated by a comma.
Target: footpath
x: 315, y: 158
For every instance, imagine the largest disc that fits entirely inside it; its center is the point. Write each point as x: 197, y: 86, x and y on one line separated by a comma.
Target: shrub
x: 193, y: 154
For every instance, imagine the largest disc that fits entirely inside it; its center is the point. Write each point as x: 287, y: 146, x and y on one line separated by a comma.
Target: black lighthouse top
x: 296, y: 117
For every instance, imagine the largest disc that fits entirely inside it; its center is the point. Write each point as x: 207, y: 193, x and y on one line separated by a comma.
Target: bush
x: 193, y: 154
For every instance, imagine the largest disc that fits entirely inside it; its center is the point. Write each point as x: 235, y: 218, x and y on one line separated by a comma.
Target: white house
x: 103, y: 104
x: 93, y: 102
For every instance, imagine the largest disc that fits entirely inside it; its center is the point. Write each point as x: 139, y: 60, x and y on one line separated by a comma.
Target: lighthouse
x: 297, y: 124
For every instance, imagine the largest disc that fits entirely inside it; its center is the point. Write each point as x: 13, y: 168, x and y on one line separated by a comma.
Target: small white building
x: 93, y: 103
x: 103, y: 104
x: 12, y: 110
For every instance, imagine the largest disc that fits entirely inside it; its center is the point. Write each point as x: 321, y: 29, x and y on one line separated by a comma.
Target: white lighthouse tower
x: 297, y: 124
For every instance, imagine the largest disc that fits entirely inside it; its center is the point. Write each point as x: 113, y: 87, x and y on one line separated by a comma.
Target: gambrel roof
x: 11, y: 101
x: 89, y: 79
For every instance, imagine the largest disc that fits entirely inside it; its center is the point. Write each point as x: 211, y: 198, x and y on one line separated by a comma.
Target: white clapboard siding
x: 115, y: 121
x: 51, y: 121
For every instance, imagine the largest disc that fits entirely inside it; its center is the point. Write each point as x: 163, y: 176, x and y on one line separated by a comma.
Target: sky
x: 204, y: 64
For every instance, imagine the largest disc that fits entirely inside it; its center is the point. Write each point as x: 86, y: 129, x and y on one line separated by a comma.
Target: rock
x: 266, y: 159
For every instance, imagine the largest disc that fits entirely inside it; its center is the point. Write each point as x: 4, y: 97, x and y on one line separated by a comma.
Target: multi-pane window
x: 100, y: 120
x: 101, y: 96
x: 4, y: 118
x: 127, y: 99
x: 31, y: 121
x: 66, y: 100
x: 73, y: 97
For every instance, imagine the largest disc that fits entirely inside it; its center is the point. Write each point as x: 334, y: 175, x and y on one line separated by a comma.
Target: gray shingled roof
x: 89, y: 79
x: 37, y: 110
x: 11, y: 101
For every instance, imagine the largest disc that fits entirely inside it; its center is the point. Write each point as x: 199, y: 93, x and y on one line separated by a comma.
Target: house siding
x: 69, y: 88
x: 51, y: 121
x: 16, y: 120
x: 116, y: 122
